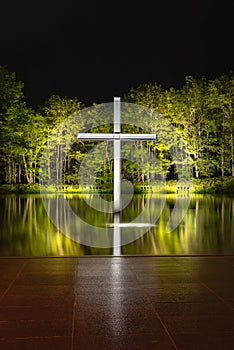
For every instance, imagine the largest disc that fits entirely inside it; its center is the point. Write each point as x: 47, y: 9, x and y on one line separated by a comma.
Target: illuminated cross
x: 117, y: 137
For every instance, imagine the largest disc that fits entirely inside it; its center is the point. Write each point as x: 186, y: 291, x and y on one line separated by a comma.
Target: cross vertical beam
x: 117, y: 156
x: 116, y: 137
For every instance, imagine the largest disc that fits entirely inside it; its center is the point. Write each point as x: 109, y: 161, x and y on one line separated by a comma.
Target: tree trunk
x: 222, y: 161
x: 232, y: 154
x: 195, y: 166
x: 26, y: 169
x: 30, y: 173
x: 35, y: 170
x: 19, y: 174
x: 9, y: 177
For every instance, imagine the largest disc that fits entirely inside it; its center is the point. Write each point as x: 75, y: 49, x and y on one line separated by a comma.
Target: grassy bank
x: 216, y: 185
x: 19, y: 188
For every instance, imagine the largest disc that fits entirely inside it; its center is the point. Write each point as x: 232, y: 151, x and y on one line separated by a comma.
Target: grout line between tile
x: 73, y: 321
x: 158, y: 315
x: 43, y: 337
x: 74, y: 310
x: 217, y: 296
x: 13, y: 281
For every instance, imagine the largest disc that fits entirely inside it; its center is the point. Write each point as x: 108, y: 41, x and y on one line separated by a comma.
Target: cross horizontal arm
x: 124, y: 137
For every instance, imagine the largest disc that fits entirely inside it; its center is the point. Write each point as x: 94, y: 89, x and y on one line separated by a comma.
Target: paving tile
x: 5, y: 282
x: 50, y: 265
x: 117, y: 303
x: 42, y: 290
x: 117, y: 326
x: 48, y: 343
x: 159, y: 271
x: 108, y: 288
x: 47, y: 278
x: 199, y: 324
x: 107, y: 279
x: 51, y: 312
x: 142, y: 341
x: 230, y: 301
x: 156, y: 261
x: 111, y: 299
x: 2, y: 290
x: 222, y: 288
x: 39, y: 300
x: 194, y: 309
x: 11, y: 264
x: 35, y: 328
x: 165, y: 277
x: 175, y: 292
x: 90, y: 311
x: 204, y: 341
x: 207, y: 266
x: 101, y: 261
x: 6, y: 278
x: 230, y: 260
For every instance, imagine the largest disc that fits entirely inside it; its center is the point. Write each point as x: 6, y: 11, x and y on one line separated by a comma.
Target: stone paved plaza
x: 117, y: 303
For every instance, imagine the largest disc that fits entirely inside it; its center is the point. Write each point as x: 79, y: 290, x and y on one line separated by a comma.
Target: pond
x: 206, y: 228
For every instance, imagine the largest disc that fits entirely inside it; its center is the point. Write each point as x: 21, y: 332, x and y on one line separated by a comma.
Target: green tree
x: 188, y: 111
x: 158, y: 100
x: 56, y: 110
x: 11, y: 95
x: 220, y: 99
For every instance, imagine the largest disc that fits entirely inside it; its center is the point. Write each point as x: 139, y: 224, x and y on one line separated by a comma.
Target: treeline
x: 201, y: 111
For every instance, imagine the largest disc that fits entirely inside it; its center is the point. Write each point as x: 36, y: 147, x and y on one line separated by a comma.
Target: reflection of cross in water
x: 117, y: 137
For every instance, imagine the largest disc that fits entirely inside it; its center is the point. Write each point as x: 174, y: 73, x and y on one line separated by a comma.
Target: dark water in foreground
x: 207, y: 227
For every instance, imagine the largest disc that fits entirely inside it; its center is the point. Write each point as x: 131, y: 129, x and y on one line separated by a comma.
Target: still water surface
x: 207, y: 228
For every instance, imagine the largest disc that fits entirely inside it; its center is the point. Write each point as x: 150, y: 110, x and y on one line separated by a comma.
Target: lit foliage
x: 201, y: 111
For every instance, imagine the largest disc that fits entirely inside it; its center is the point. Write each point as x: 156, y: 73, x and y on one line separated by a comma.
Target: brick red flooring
x: 117, y: 303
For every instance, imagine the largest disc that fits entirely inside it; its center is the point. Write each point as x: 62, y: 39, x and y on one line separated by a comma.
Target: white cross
x: 117, y: 137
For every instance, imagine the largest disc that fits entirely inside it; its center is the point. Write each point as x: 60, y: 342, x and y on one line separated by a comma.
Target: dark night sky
x: 99, y: 49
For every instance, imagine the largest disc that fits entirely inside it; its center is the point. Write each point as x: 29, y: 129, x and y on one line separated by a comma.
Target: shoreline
x: 200, y: 186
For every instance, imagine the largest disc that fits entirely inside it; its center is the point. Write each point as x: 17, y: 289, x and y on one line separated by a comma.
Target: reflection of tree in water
x: 26, y: 230
x: 207, y: 228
